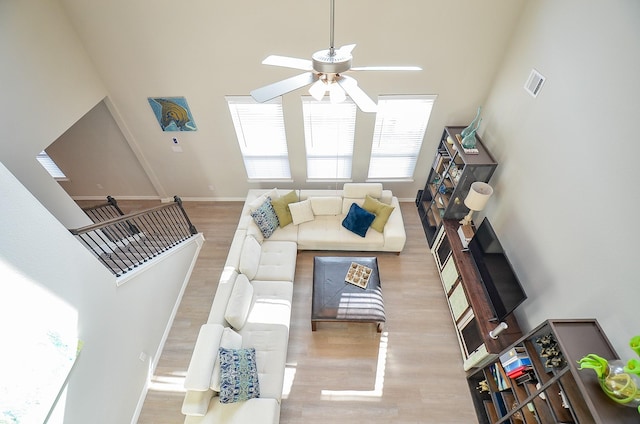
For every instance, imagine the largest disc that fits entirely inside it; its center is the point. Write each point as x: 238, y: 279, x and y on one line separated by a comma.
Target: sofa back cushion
x: 360, y: 190
x: 250, y: 257
x: 329, y: 205
x: 203, y: 358
x: 223, y: 293
x: 230, y: 340
x: 239, y: 304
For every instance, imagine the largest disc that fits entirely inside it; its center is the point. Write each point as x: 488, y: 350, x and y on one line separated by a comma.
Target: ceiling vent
x: 534, y: 83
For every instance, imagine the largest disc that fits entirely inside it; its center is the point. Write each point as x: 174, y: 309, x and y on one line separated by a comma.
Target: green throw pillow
x: 382, y: 211
x: 281, y: 206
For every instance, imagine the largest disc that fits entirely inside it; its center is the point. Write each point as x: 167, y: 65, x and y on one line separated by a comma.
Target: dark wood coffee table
x: 336, y: 300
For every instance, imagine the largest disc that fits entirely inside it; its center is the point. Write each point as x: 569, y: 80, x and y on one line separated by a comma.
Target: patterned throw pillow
x: 238, y: 375
x: 266, y: 218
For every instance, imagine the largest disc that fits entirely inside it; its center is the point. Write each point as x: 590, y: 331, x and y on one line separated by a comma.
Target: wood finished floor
x: 348, y: 373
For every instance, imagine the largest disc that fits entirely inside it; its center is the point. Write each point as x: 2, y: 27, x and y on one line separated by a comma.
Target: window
x: 51, y: 167
x: 329, y: 131
x: 261, y: 136
x: 400, y: 125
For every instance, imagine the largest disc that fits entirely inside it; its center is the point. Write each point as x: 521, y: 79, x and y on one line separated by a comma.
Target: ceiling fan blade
x: 386, y: 68
x: 279, y: 88
x: 360, y: 98
x: 347, y: 49
x: 288, y: 62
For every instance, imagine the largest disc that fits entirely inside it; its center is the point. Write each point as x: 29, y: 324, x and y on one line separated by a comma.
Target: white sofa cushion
x: 250, y: 257
x: 221, y: 299
x: 235, y: 250
x: 272, y: 303
x: 239, y: 305
x: 348, y: 201
x: 360, y: 190
x: 258, y: 201
x: 270, y: 342
x: 257, y: 410
x: 203, y: 357
x: 229, y: 340
x: 327, y: 233
x: 196, y: 402
x: 277, y: 261
x: 326, y: 205
x: 301, y: 212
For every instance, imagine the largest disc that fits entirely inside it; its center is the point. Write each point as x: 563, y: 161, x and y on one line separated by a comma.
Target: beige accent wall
x: 566, y: 194
x: 97, y: 159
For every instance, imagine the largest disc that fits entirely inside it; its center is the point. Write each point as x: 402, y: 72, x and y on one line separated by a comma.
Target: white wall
x: 49, y: 83
x: 565, y: 190
x: 116, y: 324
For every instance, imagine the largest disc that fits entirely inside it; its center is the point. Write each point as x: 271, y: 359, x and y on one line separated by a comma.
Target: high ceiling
x: 204, y: 50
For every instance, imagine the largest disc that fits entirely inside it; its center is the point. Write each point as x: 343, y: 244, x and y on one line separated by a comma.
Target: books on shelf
x: 513, y: 354
x: 515, y: 362
x: 499, y: 377
x: 438, y: 163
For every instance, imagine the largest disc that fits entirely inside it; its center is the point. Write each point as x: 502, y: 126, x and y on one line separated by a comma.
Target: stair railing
x: 104, y: 211
x: 128, y: 241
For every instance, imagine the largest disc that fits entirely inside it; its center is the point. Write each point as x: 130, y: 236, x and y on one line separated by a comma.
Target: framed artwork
x: 173, y: 113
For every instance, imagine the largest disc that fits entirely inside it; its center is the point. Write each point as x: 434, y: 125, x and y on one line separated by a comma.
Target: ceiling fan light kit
x: 324, y: 72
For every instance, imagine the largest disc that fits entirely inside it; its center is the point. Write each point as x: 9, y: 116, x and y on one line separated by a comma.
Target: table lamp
x: 476, y: 200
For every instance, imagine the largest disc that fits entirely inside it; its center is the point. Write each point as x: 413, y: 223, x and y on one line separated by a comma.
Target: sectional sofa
x: 237, y: 368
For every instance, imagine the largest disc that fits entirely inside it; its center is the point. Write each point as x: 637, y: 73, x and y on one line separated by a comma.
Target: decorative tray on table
x: 358, y: 275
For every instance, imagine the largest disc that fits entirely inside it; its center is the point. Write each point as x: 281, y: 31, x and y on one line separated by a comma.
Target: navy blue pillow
x: 358, y: 220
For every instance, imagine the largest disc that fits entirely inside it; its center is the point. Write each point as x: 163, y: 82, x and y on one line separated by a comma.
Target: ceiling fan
x: 324, y: 72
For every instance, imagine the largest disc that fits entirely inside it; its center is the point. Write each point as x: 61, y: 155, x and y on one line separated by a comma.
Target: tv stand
x: 470, y: 308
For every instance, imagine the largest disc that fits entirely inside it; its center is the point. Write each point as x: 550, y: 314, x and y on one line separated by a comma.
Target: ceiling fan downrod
x: 331, y: 23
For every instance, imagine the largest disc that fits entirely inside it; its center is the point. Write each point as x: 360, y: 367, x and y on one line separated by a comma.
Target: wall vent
x: 534, y: 83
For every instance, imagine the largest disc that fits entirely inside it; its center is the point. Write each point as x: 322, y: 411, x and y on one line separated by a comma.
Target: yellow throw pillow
x: 281, y: 207
x: 382, y: 211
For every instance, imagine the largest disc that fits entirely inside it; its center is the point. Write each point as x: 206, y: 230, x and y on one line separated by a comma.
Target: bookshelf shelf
x: 555, y: 390
x: 450, y: 178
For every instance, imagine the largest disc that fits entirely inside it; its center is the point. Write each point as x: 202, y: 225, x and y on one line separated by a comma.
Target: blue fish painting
x: 173, y: 113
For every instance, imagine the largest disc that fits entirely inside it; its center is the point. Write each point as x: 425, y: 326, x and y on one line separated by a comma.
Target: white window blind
x: 51, y: 167
x: 329, y: 131
x: 261, y: 136
x: 400, y: 125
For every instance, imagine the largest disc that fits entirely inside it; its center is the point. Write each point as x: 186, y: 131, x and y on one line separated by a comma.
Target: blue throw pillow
x: 238, y: 375
x: 358, y: 220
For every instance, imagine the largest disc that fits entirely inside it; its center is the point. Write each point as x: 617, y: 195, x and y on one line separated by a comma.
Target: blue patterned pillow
x: 266, y: 218
x: 358, y: 220
x: 238, y: 375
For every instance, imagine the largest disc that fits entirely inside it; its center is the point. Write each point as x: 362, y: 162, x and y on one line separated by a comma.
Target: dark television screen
x: 497, y: 276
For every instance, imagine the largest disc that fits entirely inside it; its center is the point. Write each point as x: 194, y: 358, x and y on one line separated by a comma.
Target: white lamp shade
x: 478, y: 196
x: 336, y: 93
x: 318, y: 89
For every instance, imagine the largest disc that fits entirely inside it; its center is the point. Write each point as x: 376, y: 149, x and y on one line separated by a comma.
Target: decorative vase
x: 469, y: 140
x: 473, y: 125
x: 619, y: 380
